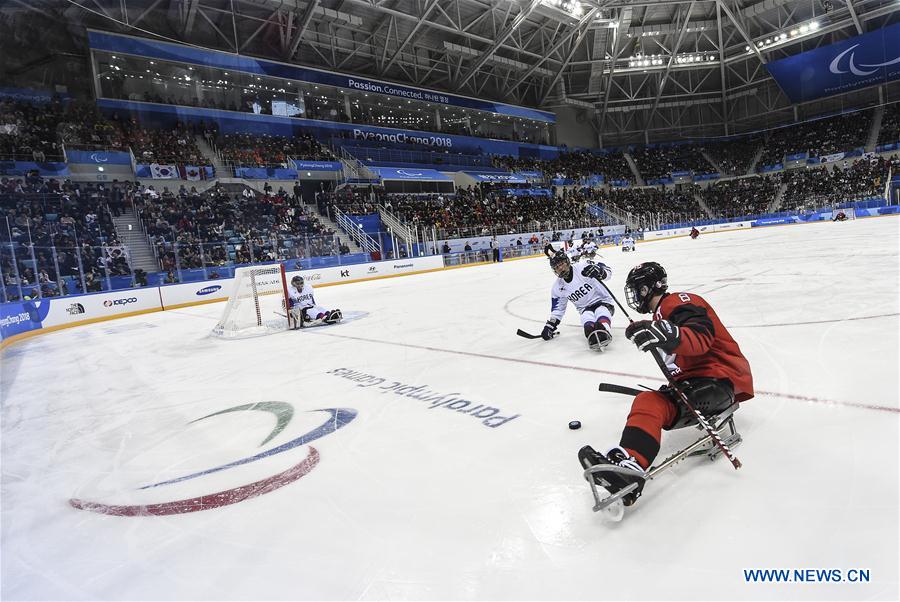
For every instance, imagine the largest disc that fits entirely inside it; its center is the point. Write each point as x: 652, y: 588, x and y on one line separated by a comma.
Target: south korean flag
x: 163, y: 172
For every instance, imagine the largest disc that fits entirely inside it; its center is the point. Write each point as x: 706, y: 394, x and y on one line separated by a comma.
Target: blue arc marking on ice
x: 339, y: 417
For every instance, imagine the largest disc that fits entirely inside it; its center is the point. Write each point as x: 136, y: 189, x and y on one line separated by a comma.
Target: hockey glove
x: 549, y: 329
x: 646, y: 335
x: 594, y: 270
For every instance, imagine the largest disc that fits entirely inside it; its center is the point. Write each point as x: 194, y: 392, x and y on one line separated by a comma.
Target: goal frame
x: 263, y: 325
x: 850, y: 212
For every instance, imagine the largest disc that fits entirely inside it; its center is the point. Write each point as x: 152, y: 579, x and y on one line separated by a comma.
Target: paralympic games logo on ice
x: 284, y: 413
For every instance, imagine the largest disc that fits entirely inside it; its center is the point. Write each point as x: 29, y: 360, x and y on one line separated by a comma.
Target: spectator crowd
x: 660, y: 161
x: 58, y: 237
x: 820, y: 137
x: 246, y: 150
x: 190, y: 229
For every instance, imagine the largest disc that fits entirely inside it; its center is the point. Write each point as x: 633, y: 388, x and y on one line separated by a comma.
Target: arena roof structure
x: 633, y: 70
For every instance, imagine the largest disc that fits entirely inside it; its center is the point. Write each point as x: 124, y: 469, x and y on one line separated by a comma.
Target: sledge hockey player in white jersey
x: 580, y: 284
x: 589, y: 250
x: 627, y: 244
x: 303, y: 308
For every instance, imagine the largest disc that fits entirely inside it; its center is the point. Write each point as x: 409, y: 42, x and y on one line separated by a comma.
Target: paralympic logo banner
x: 98, y: 157
x: 862, y: 61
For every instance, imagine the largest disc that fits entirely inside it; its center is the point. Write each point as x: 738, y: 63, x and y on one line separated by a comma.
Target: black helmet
x: 295, y: 280
x: 644, y: 281
x: 557, y: 258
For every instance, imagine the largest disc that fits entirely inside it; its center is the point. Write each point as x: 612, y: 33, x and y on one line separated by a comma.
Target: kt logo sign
x: 336, y: 418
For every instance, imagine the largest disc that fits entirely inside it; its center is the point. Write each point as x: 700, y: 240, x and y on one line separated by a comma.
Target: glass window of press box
x: 126, y: 77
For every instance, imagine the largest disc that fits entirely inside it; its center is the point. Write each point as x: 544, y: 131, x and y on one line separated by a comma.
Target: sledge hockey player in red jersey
x: 695, y: 233
x: 700, y: 355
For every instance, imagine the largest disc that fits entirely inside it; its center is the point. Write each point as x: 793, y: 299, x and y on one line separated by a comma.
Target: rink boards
x: 23, y: 319
x: 20, y: 320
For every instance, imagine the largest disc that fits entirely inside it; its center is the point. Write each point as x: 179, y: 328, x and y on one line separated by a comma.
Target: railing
x: 528, y: 227
x: 353, y: 168
x: 355, y: 232
x: 398, y: 228
x: 887, y: 183
x: 612, y: 215
x: 29, y: 157
x: 35, y: 272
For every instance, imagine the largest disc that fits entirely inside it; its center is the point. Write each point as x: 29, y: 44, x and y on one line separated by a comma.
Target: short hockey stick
x: 527, y: 335
x: 677, y: 388
x: 612, y: 388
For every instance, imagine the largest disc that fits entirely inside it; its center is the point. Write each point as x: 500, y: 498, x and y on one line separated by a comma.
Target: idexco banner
x: 862, y: 61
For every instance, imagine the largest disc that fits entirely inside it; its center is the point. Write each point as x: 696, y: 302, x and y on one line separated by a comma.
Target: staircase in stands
x: 130, y: 233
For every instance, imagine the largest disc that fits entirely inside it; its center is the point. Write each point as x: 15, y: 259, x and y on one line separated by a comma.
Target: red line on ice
x: 811, y: 399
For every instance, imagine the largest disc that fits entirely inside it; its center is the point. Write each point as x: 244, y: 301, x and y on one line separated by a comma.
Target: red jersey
x: 706, y: 347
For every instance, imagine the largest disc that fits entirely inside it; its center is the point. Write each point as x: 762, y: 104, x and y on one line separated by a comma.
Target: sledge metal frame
x: 722, y: 423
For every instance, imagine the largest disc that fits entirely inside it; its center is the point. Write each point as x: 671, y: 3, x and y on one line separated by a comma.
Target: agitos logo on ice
x: 284, y: 413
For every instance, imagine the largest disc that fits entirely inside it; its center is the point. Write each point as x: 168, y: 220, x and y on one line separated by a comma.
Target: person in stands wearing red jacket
x: 699, y: 353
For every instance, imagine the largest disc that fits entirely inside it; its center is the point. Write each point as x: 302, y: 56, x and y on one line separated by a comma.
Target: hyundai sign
x: 862, y: 61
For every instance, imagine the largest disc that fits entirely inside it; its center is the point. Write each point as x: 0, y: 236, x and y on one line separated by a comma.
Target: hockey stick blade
x: 621, y: 389
x: 527, y: 335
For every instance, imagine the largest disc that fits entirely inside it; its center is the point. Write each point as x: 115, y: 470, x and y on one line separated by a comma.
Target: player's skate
x: 618, y: 474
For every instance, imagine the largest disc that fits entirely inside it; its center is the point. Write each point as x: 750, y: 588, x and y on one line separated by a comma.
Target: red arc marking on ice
x: 853, y: 404
x: 212, y: 500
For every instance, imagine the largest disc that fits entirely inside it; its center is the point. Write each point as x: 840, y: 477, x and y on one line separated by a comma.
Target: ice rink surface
x: 336, y: 488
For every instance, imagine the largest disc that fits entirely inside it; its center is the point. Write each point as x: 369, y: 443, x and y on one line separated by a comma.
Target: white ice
x: 408, y: 502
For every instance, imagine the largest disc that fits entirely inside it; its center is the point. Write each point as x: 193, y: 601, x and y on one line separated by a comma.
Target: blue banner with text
x: 866, y: 60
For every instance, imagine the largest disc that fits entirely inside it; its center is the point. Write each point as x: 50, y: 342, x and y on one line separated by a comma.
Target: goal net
x: 257, y: 304
x: 849, y: 212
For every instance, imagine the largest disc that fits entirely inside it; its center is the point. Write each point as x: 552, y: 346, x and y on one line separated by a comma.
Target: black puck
x: 575, y: 425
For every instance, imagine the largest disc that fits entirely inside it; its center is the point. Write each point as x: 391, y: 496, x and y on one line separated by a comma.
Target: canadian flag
x: 163, y: 172
x: 192, y: 172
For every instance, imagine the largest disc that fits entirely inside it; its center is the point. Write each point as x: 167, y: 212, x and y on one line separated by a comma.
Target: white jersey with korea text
x: 583, y: 292
x: 306, y: 301
x: 628, y: 242
x: 304, y: 298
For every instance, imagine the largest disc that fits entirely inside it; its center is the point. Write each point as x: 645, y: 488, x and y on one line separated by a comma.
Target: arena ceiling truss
x: 630, y: 66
